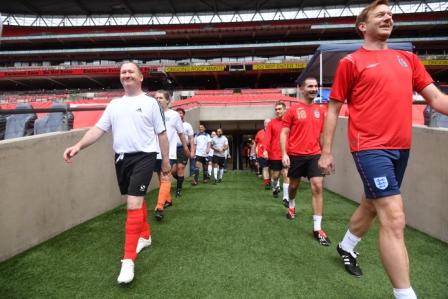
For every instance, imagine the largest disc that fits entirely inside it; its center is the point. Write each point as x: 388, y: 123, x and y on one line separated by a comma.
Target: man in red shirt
x: 377, y: 83
x: 273, y: 153
x: 262, y: 162
x: 300, y: 146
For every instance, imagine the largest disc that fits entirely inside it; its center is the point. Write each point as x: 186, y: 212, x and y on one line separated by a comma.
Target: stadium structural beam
x: 300, y: 12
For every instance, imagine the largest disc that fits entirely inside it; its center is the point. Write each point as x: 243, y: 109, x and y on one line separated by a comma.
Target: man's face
x: 201, y: 129
x: 130, y: 76
x: 309, y: 89
x: 279, y: 111
x: 213, y: 134
x: 219, y: 132
x: 163, y: 101
x: 182, y: 115
x: 379, y: 23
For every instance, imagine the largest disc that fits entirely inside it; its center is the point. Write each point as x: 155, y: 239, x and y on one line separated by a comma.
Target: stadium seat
x: 54, y: 121
x: 19, y: 125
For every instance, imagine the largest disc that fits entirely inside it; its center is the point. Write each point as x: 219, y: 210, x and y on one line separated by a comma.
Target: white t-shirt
x: 174, y: 126
x: 188, y: 131
x: 135, y: 123
x: 219, y: 143
x: 201, y: 141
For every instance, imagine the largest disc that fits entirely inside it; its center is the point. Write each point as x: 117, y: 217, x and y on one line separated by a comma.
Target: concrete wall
x: 42, y: 196
x: 425, y: 185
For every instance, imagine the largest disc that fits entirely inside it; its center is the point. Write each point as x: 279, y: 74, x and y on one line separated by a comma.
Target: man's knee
x: 317, y: 185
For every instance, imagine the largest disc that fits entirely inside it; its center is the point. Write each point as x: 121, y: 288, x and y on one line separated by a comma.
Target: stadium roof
x: 88, y: 7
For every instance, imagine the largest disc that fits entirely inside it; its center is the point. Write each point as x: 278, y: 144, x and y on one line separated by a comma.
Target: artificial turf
x: 230, y: 240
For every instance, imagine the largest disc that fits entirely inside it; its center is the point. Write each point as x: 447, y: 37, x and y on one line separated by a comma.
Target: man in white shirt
x: 202, y: 143
x: 182, y: 160
x: 220, y: 144
x: 175, y: 132
x: 136, y: 122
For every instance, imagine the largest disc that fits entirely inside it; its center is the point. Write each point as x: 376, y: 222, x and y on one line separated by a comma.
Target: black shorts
x: 158, y: 165
x: 218, y: 160
x: 262, y: 162
x: 304, y: 166
x: 181, y: 159
x: 134, y: 172
x: 203, y: 160
x: 276, y: 165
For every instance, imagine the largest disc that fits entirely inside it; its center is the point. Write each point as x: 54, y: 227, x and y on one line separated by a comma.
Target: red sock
x: 267, y: 181
x: 146, y: 230
x: 133, y: 228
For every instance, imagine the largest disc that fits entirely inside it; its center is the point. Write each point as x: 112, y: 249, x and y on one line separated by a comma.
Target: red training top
x: 272, y: 139
x: 259, y: 137
x: 378, y: 86
x: 305, y: 123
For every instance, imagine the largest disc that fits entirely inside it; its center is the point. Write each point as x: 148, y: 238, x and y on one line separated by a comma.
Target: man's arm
x: 90, y: 137
x: 164, y: 151
x: 284, y: 133
x: 326, y: 161
x: 184, y: 144
x: 435, y: 98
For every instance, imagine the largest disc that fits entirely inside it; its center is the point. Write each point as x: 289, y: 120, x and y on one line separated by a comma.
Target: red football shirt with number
x: 305, y: 123
x: 378, y: 86
x: 272, y: 139
x: 259, y: 137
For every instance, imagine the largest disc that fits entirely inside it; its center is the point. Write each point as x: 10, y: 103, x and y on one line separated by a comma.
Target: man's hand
x: 70, y: 152
x: 186, y: 152
x: 326, y: 163
x: 265, y: 155
x: 166, y: 167
x: 285, y: 161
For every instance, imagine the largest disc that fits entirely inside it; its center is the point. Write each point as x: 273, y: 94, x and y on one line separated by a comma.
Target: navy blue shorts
x: 381, y: 171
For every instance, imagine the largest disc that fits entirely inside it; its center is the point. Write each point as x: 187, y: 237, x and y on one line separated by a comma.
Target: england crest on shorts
x: 381, y: 182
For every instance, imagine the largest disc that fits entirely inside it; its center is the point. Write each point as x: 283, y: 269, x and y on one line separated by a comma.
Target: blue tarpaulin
x: 330, y: 54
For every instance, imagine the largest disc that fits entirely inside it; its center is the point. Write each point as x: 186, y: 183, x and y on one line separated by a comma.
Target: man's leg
x: 196, y: 172
x: 359, y: 225
x: 215, y: 173
x: 285, y: 187
x: 293, y: 186
x: 180, y: 178
x: 133, y: 229
x: 275, y: 175
x: 391, y: 240
x: 317, y: 203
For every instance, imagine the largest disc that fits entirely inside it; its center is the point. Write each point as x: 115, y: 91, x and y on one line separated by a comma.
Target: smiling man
x: 378, y: 84
x: 136, y: 122
x: 300, y: 147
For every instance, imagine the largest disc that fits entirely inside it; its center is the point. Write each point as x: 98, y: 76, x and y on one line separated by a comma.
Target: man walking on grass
x: 300, y: 145
x: 378, y: 84
x: 136, y: 122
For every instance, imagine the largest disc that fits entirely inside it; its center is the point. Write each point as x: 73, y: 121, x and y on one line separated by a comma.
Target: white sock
x: 274, y: 183
x: 278, y: 183
x: 317, y: 220
x: 221, y: 173
x: 292, y: 203
x: 209, y: 170
x: 285, y: 191
x: 349, y: 242
x: 215, y: 173
x: 405, y: 293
